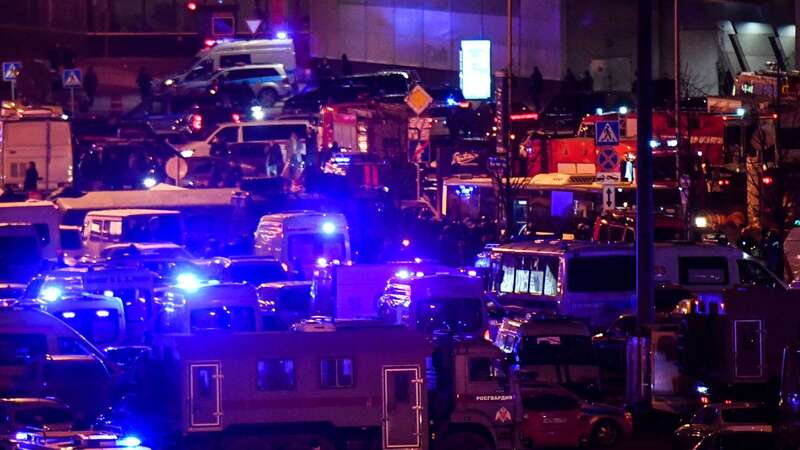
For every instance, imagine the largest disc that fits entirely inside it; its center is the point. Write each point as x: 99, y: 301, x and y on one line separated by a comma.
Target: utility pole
x: 680, y: 155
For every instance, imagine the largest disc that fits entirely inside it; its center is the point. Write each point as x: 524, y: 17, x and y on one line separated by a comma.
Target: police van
x: 114, y: 226
x: 45, y: 219
x: 238, y: 53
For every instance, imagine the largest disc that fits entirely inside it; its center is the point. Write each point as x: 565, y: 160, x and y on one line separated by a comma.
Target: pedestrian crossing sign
x: 71, y: 78
x: 11, y: 70
x: 606, y: 132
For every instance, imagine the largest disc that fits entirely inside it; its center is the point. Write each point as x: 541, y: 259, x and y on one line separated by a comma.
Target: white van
x: 98, y: 318
x: 194, y: 307
x: 45, y: 142
x: 598, y: 281
x: 238, y: 53
x: 115, y: 226
x: 303, y: 239
x: 44, y: 217
x: 257, y: 131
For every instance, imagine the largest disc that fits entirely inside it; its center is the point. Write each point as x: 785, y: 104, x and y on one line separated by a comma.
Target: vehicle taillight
x: 464, y: 104
x: 197, y: 122
x: 525, y: 116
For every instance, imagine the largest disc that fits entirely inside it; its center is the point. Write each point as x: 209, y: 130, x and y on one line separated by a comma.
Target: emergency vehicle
x: 132, y: 286
x: 98, y: 318
x: 33, y: 439
x: 44, y: 357
x: 597, y: 281
x: 436, y: 303
x: 352, y: 383
x: 734, y: 350
x: 283, y: 303
x: 44, y: 217
x: 42, y: 136
x: 552, y: 350
x: 351, y: 291
x: 379, y: 128
x: 303, y: 239
x: 195, y: 307
x: 705, y: 133
x: 114, y: 226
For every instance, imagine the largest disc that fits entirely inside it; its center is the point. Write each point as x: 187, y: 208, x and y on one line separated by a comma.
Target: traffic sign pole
x: 13, y: 91
x: 72, y: 101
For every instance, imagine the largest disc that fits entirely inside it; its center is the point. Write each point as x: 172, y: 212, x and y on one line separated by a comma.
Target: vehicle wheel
x: 465, y: 441
x: 606, y: 433
x: 267, y: 97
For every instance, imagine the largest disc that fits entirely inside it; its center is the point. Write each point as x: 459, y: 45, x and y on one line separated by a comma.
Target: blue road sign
x: 606, y: 133
x: 71, y: 78
x: 608, y: 159
x: 11, y: 70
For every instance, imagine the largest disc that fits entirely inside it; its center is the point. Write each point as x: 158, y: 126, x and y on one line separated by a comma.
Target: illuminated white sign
x: 476, y: 69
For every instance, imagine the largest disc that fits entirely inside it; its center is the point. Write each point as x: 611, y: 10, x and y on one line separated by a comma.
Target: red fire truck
x: 365, y: 127
x: 703, y: 131
x: 352, y: 384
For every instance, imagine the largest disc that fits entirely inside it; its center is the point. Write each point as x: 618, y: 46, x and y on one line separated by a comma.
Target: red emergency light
x: 197, y: 122
x: 236, y: 117
x: 525, y: 116
x: 191, y: 6
x: 767, y: 179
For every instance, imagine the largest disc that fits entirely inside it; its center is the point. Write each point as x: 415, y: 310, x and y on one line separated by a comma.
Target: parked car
x: 268, y: 82
x: 739, y: 440
x: 728, y: 416
x: 253, y: 270
x: 21, y: 412
x: 555, y: 417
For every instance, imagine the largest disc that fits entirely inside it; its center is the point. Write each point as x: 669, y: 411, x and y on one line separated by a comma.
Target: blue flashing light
x: 654, y: 143
x: 403, y: 274
x: 465, y: 192
x: 322, y: 262
x: 472, y: 273
x: 740, y: 112
x: 598, y: 111
x: 703, y: 390
x: 623, y: 110
x: 149, y: 182
x: 451, y: 101
x: 102, y: 313
x: 188, y: 282
x: 281, y: 35
x: 51, y: 293
x: 108, y: 293
x: 129, y: 441
x: 68, y: 315
x: 672, y: 143
x: 257, y: 112
x: 21, y: 436
x: 328, y: 227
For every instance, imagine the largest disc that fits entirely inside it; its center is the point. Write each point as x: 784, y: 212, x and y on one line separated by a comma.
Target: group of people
x: 323, y: 71
x: 568, y: 84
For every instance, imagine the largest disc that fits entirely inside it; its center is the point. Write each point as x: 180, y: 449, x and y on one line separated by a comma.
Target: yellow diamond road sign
x: 418, y: 99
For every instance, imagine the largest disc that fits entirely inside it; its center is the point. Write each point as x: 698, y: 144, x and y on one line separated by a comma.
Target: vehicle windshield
x: 746, y: 415
x: 155, y: 228
x: 97, y: 326
x: 449, y: 314
x: 306, y: 249
x: 17, y: 348
x: 41, y: 416
x: 19, y: 250
x: 257, y: 273
x: 294, y: 299
x: 601, y: 274
x: 570, y: 349
x: 231, y: 318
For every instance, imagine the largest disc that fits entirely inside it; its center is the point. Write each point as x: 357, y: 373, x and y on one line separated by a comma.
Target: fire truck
x: 703, y: 131
x: 348, y: 384
x: 378, y: 128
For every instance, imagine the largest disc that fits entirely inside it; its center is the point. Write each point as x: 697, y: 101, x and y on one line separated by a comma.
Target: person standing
x: 145, y: 83
x: 274, y: 160
x: 536, y: 86
x: 570, y: 83
x: 587, y: 82
x: 31, y: 178
x: 347, y: 66
x: 90, y: 83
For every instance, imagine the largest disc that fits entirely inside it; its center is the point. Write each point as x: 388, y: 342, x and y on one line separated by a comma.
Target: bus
x: 597, y: 281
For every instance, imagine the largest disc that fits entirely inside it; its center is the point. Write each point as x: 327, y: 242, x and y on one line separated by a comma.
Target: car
x: 555, y: 417
x: 727, y: 416
x: 739, y: 440
x: 20, y: 412
x: 282, y: 132
x: 253, y: 270
x: 268, y: 82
